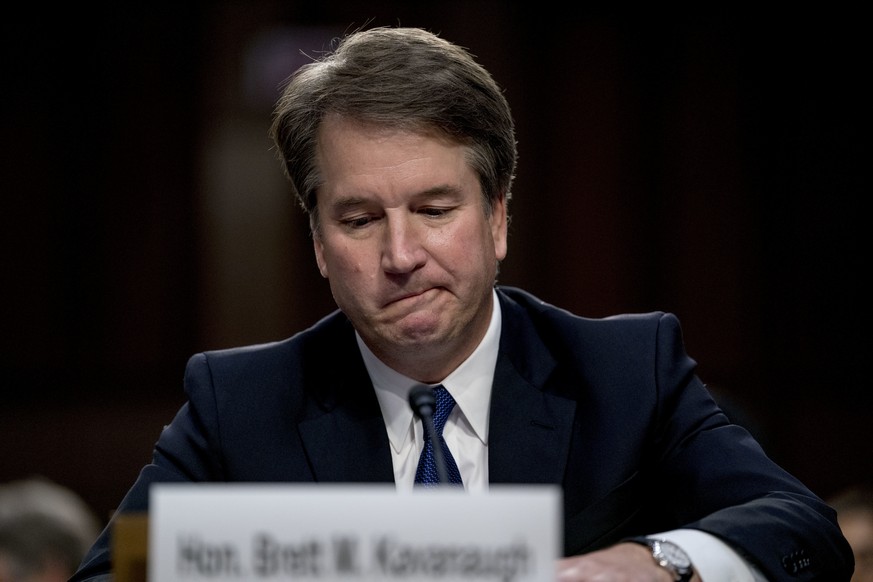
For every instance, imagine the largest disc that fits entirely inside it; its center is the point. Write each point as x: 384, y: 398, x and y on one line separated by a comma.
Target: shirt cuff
x: 713, y: 559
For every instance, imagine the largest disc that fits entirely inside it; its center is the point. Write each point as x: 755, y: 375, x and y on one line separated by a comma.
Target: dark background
x: 704, y: 163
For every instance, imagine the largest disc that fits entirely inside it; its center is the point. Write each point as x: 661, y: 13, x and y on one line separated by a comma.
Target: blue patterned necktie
x: 427, y: 474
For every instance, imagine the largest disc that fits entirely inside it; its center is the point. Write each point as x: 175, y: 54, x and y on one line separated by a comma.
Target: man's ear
x: 499, y: 227
x: 318, y: 246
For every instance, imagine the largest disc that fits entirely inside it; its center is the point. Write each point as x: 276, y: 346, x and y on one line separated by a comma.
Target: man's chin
x: 413, y: 334
x: 418, y: 337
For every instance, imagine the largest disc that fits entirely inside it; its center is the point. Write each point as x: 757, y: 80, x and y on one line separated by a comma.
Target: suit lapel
x: 343, y: 431
x: 529, y: 431
x: 345, y: 446
x: 529, y: 428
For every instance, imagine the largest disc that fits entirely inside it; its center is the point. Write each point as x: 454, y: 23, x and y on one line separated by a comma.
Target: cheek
x: 466, y: 249
x: 347, y: 264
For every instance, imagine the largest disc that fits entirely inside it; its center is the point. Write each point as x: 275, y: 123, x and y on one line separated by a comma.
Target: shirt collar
x: 469, y: 384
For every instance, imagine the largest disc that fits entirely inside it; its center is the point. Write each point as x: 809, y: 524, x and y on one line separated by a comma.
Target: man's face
x: 406, y: 244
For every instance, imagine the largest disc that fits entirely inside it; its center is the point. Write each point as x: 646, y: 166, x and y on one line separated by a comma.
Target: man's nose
x: 402, y: 251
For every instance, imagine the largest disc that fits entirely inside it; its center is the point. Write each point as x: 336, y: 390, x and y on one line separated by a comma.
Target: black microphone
x: 423, y: 404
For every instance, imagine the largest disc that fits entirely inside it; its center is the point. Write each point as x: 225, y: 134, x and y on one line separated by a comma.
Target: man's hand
x: 626, y: 562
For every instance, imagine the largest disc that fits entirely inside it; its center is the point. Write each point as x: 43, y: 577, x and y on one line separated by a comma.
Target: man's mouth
x: 411, y: 295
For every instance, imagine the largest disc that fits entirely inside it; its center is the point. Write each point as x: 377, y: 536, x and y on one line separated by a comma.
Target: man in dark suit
x: 401, y: 149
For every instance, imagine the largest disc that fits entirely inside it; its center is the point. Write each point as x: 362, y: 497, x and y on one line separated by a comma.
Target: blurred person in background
x: 45, y: 529
x: 855, y: 515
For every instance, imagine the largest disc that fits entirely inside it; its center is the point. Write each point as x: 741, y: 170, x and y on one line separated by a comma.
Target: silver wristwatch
x: 670, y: 557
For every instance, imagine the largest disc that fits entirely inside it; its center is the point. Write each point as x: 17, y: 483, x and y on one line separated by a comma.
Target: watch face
x: 673, y: 555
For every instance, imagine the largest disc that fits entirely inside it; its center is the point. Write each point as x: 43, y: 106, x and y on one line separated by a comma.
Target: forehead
x: 338, y: 130
x: 355, y: 156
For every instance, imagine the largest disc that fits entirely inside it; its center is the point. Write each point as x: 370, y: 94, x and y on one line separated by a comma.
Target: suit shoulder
x: 545, y: 313
x: 309, y: 345
x: 566, y: 335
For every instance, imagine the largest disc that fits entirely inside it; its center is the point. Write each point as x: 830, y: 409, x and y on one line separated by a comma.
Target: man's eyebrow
x: 441, y: 190
x: 345, y: 202
x: 351, y: 201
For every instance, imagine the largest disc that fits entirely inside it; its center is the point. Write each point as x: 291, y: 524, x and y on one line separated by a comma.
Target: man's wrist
x: 668, y: 556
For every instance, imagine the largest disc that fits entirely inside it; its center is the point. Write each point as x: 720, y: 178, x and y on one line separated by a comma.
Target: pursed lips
x: 407, y: 295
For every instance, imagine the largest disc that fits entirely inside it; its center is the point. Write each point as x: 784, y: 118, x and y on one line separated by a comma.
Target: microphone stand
x: 423, y: 404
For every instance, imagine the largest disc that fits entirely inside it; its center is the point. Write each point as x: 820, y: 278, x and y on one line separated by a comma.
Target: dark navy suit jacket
x: 610, y: 409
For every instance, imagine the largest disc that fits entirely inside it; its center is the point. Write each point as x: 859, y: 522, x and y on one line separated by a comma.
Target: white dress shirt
x: 466, y: 434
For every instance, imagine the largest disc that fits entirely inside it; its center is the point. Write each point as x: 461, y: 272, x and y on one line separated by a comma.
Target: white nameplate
x: 251, y: 532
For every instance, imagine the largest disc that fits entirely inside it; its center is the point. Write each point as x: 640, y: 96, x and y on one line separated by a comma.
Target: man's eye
x: 357, y: 222
x: 436, y: 212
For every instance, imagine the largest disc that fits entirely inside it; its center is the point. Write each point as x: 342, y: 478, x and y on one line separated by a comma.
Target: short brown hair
x: 404, y: 78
